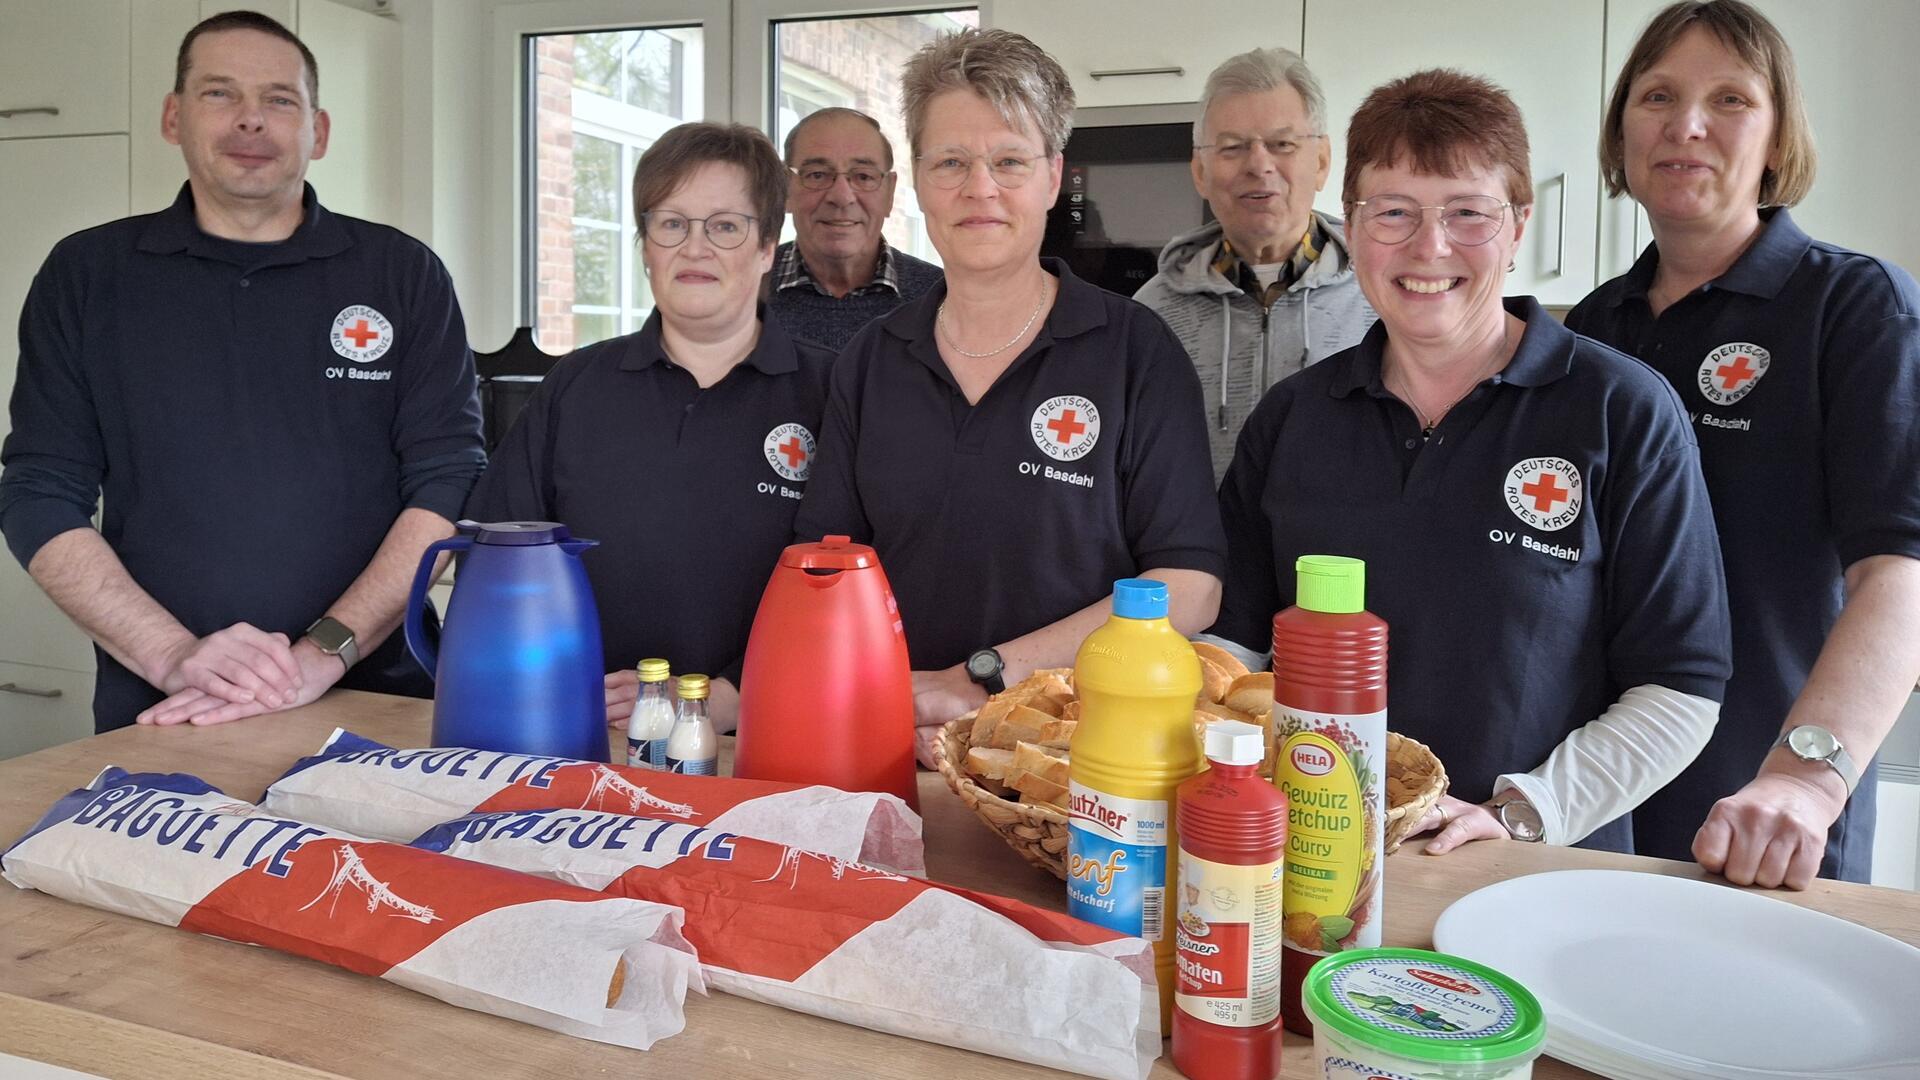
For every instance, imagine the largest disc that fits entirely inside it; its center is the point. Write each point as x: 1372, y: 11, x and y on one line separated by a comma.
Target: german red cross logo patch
x: 789, y: 449
x: 1731, y: 371
x: 1066, y: 427
x: 361, y: 334
x: 1545, y: 492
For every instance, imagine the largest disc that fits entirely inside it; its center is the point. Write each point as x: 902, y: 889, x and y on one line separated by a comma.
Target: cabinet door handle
x: 16, y: 688
x: 8, y: 114
x: 1560, y: 243
x: 1116, y: 73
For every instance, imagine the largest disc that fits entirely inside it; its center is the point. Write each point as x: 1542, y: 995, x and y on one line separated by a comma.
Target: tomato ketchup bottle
x: 1330, y: 723
x: 1233, y: 840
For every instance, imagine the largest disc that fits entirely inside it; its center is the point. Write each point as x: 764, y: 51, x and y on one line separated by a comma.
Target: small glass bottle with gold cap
x: 652, y: 719
x: 694, y: 747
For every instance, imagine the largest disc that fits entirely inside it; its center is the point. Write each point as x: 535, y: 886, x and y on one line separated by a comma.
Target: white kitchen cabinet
x: 1170, y: 48
x: 42, y: 707
x: 67, y: 56
x: 70, y: 184
x: 1855, y: 61
x: 360, y: 87
x: 1545, y: 53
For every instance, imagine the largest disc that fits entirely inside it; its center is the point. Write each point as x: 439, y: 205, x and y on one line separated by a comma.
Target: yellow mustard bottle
x: 1137, y: 679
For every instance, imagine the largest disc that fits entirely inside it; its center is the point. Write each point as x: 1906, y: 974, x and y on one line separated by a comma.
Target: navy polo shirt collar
x: 773, y: 352
x: 1545, y: 353
x: 1077, y: 309
x: 1761, y: 271
x: 174, y: 230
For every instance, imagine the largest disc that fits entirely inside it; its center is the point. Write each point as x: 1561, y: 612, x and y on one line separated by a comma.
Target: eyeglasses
x: 820, y: 178
x: 1237, y: 150
x: 1470, y: 220
x: 724, y: 230
x: 950, y: 168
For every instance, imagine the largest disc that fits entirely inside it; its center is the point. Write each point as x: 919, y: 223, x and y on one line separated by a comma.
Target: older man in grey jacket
x: 1267, y: 287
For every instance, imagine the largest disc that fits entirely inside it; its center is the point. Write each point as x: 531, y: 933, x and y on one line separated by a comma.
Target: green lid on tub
x: 1334, y: 584
x: 1425, y: 1006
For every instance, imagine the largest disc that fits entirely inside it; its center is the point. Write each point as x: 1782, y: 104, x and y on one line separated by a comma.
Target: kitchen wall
x: 425, y: 98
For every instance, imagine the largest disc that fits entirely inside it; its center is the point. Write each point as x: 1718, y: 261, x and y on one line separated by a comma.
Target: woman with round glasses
x: 1529, y: 503
x: 684, y: 447
x: 1800, y: 362
x: 1017, y: 439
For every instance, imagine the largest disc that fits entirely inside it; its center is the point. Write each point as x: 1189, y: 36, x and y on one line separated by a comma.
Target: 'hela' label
x: 1331, y: 768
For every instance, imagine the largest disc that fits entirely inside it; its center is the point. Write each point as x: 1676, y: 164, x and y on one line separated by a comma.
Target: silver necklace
x: 1428, y: 424
x: 940, y: 318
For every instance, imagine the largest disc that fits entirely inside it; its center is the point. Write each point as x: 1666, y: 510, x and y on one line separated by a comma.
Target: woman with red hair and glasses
x: 1528, y: 502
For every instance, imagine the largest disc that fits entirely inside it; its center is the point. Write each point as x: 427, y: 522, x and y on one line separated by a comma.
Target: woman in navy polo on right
x: 1800, y: 363
x: 1529, y: 503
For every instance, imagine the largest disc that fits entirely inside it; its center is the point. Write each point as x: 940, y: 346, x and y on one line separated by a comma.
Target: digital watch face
x: 984, y: 664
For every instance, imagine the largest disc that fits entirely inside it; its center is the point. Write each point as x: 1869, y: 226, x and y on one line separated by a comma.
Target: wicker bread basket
x: 1415, y: 781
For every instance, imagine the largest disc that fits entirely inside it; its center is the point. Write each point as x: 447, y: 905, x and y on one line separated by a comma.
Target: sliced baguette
x: 1223, y: 659
x: 989, y: 763
x: 1251, y: 693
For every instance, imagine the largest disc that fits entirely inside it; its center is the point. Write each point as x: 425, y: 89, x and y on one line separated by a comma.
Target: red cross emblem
x: 361, y: 334
x: 1732, y: 375
x: 1545, y: 491
x: 788, y: 450
x: 1066, y: 426
x: 794, y: 451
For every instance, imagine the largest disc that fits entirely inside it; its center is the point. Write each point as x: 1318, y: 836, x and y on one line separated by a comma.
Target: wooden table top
x: 119, y: 997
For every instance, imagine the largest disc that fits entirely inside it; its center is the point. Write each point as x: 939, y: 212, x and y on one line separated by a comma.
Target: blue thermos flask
x: 518, y: 667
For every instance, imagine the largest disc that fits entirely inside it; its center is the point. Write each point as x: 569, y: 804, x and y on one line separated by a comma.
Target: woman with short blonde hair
x: 1017, y: 439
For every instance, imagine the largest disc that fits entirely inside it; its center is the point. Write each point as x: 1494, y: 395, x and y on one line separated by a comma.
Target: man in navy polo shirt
x: 1545, y: 557
x: 1800, y: 368
x: 277, y: 403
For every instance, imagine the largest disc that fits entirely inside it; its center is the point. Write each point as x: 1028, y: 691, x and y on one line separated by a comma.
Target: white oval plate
x: 1697, y: 977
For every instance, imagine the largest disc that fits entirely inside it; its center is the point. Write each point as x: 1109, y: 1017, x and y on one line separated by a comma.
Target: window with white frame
x: 598, y: 100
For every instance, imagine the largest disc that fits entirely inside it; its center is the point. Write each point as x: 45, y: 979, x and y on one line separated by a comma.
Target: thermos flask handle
x: 416, y: 624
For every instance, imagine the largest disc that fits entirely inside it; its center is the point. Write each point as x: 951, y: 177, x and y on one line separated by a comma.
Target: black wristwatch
x: 984, y: 667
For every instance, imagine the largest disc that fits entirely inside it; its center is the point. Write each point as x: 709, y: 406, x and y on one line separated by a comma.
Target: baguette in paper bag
x: 173, y: 850
x: 359, y: 786
x: 854, y: 943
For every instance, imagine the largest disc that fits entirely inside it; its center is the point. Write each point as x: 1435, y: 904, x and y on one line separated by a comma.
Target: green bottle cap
x: 1333, y: 584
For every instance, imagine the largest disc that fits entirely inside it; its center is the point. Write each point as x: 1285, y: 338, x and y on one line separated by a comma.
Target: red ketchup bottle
x: 1233, y: 840
x: 1330, y: 726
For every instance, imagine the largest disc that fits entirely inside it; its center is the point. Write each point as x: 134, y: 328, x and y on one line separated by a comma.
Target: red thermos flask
x: 826, y: 692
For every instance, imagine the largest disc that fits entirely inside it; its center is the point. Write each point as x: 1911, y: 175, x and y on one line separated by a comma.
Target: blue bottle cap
x: 1140, y: 598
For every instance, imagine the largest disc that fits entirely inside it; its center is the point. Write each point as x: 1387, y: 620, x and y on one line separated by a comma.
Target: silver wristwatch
x: 331, y: 636
x: 1811, y: 742
x: 1521, y: 819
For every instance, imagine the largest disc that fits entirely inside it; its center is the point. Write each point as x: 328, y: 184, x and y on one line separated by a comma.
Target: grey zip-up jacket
x: 1239, y: 349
